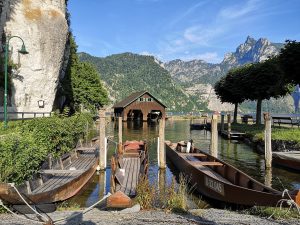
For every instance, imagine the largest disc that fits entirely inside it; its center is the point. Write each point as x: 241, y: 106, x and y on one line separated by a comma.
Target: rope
x: 21, y: 217
x: 84, y: 211
x: 290, y: 202
x: 36, y: 212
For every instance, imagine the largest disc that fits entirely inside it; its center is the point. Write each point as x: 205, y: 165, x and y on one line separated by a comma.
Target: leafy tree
x: 289, y: 58
x: 81, y: 84
x: 229, y: 89
x: 264, y: 80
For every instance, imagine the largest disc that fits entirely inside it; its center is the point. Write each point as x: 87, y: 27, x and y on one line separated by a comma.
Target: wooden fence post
x: 214, y: 136
x: 102, y: 143
x: 222, y: 122
x: 228, y: 125
x: 268, y: 140
x: 162, y: 148
x: 120, y: 124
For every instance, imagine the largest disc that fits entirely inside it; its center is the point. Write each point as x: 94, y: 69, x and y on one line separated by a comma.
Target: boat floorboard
x: 132, y: 168
x: 59, y: 179
x: 203, y: 166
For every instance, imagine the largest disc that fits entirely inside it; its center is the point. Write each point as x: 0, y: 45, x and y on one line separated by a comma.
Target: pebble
x: 157, y: 217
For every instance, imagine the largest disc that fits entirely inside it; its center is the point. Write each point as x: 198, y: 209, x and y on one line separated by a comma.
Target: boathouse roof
x: 131, y: 98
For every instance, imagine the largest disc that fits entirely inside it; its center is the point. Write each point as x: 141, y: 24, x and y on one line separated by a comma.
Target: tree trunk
x: 235, y: 112
x: 258, y: 111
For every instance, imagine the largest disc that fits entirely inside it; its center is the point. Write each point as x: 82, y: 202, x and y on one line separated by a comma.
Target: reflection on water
x: 233, y: 152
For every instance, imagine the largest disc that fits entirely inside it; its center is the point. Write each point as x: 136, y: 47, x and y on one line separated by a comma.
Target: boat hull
x: 69, y: 189
x: 213, y: 186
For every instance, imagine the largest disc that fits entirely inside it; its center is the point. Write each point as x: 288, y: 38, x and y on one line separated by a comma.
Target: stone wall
x: 43, y: 27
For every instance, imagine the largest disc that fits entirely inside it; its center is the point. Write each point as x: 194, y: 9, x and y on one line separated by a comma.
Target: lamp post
x: 22, y: 51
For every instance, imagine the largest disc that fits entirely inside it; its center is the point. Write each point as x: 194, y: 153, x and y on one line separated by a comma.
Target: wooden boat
x: 289, y: 159
x: 197, y: 126
x: 221, y: 181
x: 127, y: 167
x: 57, y: 180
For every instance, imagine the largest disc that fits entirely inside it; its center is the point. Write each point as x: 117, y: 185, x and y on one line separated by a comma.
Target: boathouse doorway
x: 135, y: 115
x: 154, y: 115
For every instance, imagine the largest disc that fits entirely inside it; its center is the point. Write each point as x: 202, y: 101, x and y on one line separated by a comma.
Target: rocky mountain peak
x: 251, y: 51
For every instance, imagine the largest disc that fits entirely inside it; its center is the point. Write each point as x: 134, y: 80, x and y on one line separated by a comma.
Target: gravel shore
x: 196, y: 216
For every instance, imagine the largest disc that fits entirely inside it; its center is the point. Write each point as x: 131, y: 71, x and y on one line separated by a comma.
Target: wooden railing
x: 24, y: 115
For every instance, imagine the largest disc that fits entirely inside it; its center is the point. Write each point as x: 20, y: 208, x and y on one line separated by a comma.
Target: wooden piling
x: 228, y: 125
x: 102, y: 184
x: 222, y: 122
x: 102, y: 156
x: 162, y: 149
x: 214, y: 136
x: 120, y: 123
x: 268, y: 142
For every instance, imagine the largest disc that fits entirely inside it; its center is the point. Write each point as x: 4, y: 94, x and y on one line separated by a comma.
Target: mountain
x: 198, y: 77
x: 126, y: 73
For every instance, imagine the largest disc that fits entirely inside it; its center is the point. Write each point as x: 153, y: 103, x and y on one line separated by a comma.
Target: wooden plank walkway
x: 132, y: 169
x: 233, y: 134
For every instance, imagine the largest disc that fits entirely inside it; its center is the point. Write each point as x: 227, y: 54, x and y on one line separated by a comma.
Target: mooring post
x: 214, y: 136
x: 222, y: 122
x: 102, y: 144
x: 162, y: 149
x: 102, y: 184
x: 268, y: 142
x: 228, y: 125
x: 120, y: 123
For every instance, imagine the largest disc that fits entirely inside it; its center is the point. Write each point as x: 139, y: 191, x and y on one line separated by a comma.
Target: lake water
x: 238, y: 154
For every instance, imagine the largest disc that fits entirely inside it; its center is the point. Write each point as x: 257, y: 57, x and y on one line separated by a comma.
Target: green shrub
x: 27, y: 145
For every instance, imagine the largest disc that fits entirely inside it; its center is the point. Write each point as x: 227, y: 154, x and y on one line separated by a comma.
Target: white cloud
x: 237, y: 11
x: 146, y: 53
x: 211, y: 57
x: 188, y: 12
x: 200, y: 35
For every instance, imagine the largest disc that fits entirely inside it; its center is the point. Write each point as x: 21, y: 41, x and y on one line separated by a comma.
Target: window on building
x: 149, y: 99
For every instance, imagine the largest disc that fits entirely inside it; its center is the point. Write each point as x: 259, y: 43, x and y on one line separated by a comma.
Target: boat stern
x: 297, y: 199
x: 4, y: 189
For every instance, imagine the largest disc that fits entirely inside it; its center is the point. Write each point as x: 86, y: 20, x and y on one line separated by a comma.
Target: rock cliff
x: 198, y: 77
x: 43, y: 27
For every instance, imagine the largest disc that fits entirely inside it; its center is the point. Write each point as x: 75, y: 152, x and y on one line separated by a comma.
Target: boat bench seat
x: 203, y: 163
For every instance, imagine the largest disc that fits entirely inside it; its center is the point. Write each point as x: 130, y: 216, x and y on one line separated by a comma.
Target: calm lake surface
x: 238, y: 154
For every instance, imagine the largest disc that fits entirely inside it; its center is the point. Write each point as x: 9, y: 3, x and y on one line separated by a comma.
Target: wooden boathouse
x: 140, y: 106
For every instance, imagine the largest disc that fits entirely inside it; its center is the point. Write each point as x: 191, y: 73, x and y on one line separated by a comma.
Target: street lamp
x: 22, y: 51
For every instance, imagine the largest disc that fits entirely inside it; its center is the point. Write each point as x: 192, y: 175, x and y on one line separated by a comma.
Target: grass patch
x: 275, y: 213
x: 172, y: 197
x: 66, y: 206
x: 256, y: 132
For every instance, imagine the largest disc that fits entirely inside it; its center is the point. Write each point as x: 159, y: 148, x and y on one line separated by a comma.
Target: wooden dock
x: 234, y: 135
x: 289, y: 159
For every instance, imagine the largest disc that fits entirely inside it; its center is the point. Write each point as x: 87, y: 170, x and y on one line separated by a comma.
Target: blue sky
x: 184, y: 29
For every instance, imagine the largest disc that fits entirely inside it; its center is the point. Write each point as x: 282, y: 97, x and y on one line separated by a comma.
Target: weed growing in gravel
x: 145, y: 193
x: 276, y: 213
x: 66, y: 206
x: 172, y: 197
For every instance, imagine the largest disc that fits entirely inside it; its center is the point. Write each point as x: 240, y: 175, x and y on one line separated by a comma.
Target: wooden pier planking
x: 233, y: 134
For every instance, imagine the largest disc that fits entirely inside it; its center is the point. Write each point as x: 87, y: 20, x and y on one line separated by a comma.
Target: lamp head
x: 23, y: 50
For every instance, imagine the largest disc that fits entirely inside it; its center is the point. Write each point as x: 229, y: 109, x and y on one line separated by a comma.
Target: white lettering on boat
x: 214, y: 185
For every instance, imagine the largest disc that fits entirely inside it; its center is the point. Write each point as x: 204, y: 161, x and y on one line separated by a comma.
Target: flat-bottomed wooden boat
x: 289, y: 159
x: 221, y: 181
x: 127, y: 168
x: 58, y: 179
